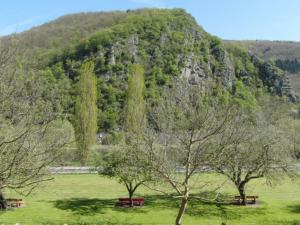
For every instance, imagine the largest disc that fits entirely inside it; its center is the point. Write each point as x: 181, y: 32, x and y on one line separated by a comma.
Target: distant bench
x: 126, y: 202
x: 250, y: 199
x: 14, y: 202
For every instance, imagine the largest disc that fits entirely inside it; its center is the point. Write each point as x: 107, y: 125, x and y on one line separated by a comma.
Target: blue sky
x: 228, y: 19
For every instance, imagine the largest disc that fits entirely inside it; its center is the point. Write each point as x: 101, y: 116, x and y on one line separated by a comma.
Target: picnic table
x: 250, y: 199
x: 14, y: 202
x: 127, y: 202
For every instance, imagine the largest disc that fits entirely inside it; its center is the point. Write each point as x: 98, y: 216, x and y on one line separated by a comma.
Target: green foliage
x: 243, y: 97
x: 113, y: 138
x: 245, y: 69
x: 221, y: 94
x: 135, y: 107
x: 86, y: 111
x: 110, y: 103
x: 124, y: 165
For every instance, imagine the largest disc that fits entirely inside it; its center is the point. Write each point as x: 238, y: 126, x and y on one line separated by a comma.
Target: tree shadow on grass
x: 200, y: 205
x: 222, y: 206
x: 85, y: 206
x: 295, y: 208
x: 196, y: 207
x: 90, y: 206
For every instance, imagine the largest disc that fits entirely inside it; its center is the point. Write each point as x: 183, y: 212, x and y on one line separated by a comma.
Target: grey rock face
x: 275, y: 79
x: 193, y: 71
x: 226, y: 72
x: 133, y: 42
x: 111, y: 55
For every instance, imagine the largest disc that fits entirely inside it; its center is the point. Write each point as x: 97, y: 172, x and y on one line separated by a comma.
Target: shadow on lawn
x: 202, y: 205
x: 196, y: 207
x: 90, y: 206
x: 84, y: 206
x: 294, y: 208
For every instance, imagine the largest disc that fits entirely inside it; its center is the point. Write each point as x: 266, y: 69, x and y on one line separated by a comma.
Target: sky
x: 228, y: 19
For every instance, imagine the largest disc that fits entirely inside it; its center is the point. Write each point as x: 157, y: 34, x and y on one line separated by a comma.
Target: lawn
x: 90, y: 199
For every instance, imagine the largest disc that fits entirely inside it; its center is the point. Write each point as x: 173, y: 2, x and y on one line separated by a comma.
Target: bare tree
x: 186, y: 123
x: 250, y: 149
x: 31, y: 133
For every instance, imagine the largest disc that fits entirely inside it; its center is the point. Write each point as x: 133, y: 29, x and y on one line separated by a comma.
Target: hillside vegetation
x: 284, y: 54
x: 168, y: 44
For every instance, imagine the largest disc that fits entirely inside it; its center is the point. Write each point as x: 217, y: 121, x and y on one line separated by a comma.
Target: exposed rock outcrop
x: 133, y: 42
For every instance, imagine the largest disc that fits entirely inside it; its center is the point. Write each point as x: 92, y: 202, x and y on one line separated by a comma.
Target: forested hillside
x: 284, y: 54
x: 167, y: 44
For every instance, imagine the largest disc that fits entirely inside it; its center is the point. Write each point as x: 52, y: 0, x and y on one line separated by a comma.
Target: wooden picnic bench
x: 250, y: 199
x: 14, y: 202
x: 127, y: 202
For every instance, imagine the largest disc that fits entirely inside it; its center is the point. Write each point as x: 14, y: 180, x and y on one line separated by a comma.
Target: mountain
x: 168, y: 43
x: 284, y: 54
x: 52, y: 37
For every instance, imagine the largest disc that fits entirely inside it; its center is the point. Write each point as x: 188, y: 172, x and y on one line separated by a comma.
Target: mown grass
x: 90, y: 199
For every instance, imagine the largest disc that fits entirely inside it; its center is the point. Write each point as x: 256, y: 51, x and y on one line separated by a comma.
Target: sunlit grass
x: 90, y: 199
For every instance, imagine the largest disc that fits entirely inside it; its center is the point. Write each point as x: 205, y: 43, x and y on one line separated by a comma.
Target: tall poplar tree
x: 135, y: 105
x: 122, y: 164
x: 86, y: 111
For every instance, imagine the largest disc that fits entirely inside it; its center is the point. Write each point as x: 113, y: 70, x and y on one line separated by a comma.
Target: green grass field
x: 90, y: 199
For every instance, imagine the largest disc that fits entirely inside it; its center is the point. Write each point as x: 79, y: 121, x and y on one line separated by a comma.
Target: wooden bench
x: 14, y: 202
x: 250, y: 199
x: 126, y: 202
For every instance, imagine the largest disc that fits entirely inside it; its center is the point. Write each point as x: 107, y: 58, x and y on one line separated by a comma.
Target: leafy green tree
x: 122, y: 164
x: 86, y: 111
x: 135, y: 119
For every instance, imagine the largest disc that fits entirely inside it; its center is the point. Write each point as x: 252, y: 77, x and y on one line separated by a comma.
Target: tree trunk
x: 3, y: 203
x: 130, y: 193
x: 241, y: 189
x: 181, y: 210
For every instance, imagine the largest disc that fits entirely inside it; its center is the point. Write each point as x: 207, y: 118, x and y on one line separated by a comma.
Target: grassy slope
x: 78, y: 199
